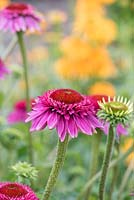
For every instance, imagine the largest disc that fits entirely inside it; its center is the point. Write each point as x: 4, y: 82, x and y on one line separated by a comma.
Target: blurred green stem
x: 9, y: 49
x: 25, y: 67
x: 94, y: 160
x: 60, y: 157
x: 106, y: 160
x: 96, y: 176
x: 125, y: 178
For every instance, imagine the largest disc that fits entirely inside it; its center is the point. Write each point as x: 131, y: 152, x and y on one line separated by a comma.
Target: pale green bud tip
x: 24, y: 170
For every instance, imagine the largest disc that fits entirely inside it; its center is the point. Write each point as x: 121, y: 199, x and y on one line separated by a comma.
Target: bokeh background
x: 86, y: 45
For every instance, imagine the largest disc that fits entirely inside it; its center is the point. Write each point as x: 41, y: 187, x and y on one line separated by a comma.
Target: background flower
x: 3, y: 69
x: 19, y: 17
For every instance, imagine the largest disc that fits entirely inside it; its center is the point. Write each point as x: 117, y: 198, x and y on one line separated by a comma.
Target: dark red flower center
x: 13, y: 190
x: 17, y: 7
x: 95, y: 98
x: 67, y: 96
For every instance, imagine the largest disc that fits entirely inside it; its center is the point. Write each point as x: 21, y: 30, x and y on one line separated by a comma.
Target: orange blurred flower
x: 81, y: 60
x: 102, y: 88
x: 56, y: 17
x: 75, y: 47
x: 4, y: 3
x: 91, y: 21
x: 127, y: 144
x: 96, y: 29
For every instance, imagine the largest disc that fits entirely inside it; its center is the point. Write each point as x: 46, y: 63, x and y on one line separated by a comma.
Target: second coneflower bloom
x: 116, y: 112
x: 18, y: 17
x: 19, y: 112
x: 66, y: 110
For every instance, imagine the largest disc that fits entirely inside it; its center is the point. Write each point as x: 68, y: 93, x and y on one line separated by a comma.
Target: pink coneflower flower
x: 18, y: 17
x: 3, y: 69
x: 66, y: 110
x: 16, y: 191
x: 116, y: 111
x: 19, y: 112
x: 95, y: 98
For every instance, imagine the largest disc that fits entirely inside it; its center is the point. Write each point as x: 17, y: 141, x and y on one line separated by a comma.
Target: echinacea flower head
x: 116, y: 112
x: 19, y: 112
x: 18, y: 17
x: 66, y: 110
x: 3, y: 69
x: 16, y: 191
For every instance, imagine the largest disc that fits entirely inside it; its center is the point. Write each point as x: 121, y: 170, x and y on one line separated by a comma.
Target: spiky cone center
x: 117, y: 111
x: 13, y: 190
x: 116, y: 107
x: 66, y: 96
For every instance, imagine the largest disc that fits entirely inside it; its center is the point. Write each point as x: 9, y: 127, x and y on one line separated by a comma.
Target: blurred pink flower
x: 120, y: 128
x: 66, y: 110
x: 16, y: 191
x: 3, y: 69
x: 19, y: 17
x: 19, y: 112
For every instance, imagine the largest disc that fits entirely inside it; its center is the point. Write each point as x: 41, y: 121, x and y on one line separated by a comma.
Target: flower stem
x: 60, y: 157
x: 25, y: 67
x: 106, y: 161
x: 98, y: 174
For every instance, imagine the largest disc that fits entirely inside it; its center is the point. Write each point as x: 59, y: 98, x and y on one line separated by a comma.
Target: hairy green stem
x: 94, y: 160
x: 106, y: 160
x: 60, y: 157
x: 25, y: 67
x: 95, y: 177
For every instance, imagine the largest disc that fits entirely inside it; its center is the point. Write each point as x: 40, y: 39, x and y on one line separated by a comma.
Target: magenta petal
x: 35, y: 123
x: 83, y: 125
x: 72, y: 128
x: 121, y: 130
x: 60, y: 126
x: 52, y: 120
x: 43, y: 120
x: 63, y: 135
x: 33, y: 115
x: 95, y: 121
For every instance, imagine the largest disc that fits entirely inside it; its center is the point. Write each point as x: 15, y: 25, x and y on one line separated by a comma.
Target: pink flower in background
x: 19, y: 112
x: 120, y: 128
x: 19, y: 17
x: 16, y: 191
x: 66, y: 110
x: 95, y: 98
x: 3, y: 69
